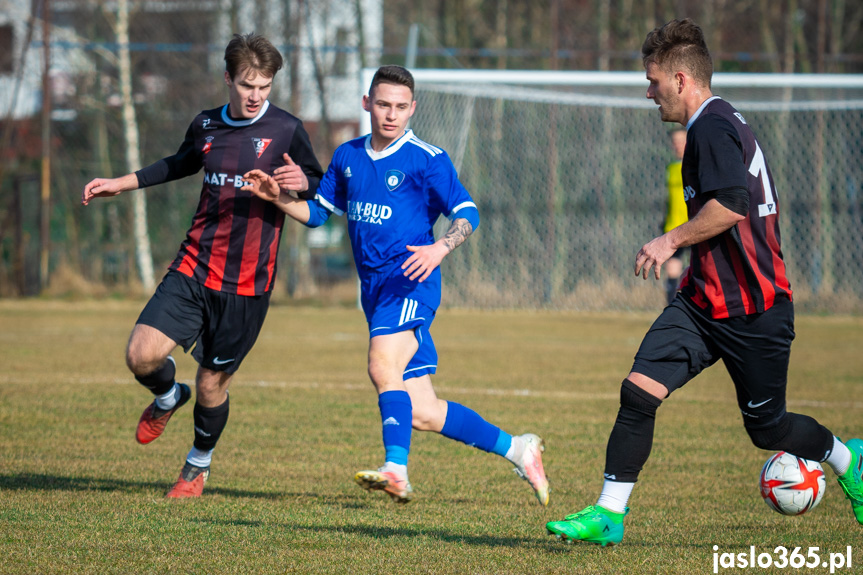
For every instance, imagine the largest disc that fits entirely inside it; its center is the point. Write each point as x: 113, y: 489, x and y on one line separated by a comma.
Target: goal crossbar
x: 472, y: 82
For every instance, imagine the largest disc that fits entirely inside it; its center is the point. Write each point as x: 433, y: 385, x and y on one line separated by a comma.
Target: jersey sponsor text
x: 222, y: 179
x: 368, y: 212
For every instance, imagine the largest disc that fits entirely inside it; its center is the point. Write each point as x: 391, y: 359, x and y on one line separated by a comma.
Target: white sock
x: 397, y: 468
x: 199, y: 458
x: 169, y: 399
x: 840, y: 457
x: 615, y: 495
x: 516, y: 450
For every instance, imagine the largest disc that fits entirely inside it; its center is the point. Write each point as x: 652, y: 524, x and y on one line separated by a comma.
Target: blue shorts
x: 393, y: 304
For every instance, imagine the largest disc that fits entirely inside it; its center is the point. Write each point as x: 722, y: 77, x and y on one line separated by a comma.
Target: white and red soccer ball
x: 791, y: 485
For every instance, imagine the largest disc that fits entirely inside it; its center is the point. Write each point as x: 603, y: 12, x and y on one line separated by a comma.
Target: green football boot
x: 851, y: 481
x: 593, y: 524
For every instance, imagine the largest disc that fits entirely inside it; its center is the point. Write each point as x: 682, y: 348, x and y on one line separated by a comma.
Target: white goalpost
x: 568, y: 170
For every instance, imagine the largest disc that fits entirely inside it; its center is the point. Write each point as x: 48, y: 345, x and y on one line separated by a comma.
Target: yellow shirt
x: 676, y: 204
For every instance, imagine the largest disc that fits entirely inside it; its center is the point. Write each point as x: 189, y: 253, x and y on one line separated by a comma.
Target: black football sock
x: 797, y: 434
x: 160, y: 381
x: 209, y: 424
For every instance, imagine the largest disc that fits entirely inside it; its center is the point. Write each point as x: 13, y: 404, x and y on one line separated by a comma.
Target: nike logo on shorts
x: 217, y: 361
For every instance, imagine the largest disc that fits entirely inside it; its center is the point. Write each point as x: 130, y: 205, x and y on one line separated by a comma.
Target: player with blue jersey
x: 392, y: 187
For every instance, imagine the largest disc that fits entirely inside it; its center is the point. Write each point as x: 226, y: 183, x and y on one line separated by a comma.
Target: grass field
x: 78, y: 495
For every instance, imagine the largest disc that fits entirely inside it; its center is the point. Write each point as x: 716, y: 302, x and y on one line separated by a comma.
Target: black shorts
x: 684, y: 340
x: 223, y: 327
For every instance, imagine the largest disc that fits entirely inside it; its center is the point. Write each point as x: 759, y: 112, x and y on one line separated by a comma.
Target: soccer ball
x: 791, y: 485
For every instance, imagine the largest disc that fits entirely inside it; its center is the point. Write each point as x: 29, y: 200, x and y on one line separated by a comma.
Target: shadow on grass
x: 376, y: 532
x: 542, y: 540
x: 37, y: 481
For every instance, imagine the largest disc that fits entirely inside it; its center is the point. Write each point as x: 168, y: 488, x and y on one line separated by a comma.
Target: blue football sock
x: 396, y: 420
x: 466, y: 425
x: 503, y: 444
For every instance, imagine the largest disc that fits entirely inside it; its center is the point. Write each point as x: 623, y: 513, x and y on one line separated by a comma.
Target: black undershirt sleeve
x: 734, y: 199
x: 184, y: 163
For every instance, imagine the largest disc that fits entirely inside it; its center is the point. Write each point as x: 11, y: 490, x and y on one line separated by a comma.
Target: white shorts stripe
x: 409, y: 311
x: 420, y: 367
x: 404, y: 311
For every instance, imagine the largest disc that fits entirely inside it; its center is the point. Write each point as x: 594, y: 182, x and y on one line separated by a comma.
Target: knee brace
x: 631, y: 439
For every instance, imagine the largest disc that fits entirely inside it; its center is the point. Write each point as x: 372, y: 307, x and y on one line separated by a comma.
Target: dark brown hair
x: 393, y: 75
x: 252, y: 51
x: 679, y: 45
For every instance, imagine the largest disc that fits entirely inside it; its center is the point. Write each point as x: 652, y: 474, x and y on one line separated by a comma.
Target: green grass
x: 78, y: 495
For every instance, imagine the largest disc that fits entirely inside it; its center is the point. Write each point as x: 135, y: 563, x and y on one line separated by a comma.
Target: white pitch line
x: 440, y: 388
x: 443, y: 389
x: 571, y: 395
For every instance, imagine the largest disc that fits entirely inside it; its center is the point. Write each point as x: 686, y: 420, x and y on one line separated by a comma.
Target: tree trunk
x: 500, y: 33
x: 821, y: 39
x: 836, y: 34
x: 361, y: 35
x: 133, y: 154
x: 45, y: 196
x: 768, y: 41
x: 555, y: 33
x: 602, y: 34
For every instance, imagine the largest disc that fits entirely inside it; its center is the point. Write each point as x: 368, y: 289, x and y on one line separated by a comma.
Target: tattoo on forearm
x: 458, y: 232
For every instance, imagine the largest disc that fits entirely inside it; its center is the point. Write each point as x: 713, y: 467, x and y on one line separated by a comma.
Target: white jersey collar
x: 699, y: 110
x: 389, y: 150
x: 247, y: 122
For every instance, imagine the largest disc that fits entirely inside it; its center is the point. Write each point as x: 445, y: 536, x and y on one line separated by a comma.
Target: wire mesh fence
x: 571, y: 183
x: 176, y: 53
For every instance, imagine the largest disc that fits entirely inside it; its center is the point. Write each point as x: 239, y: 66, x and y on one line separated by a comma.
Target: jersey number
x: 758, y: 168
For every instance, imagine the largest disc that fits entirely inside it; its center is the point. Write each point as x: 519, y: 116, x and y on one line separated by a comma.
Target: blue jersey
x: 392, y: 199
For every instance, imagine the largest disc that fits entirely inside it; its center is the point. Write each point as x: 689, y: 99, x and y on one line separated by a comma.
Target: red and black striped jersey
x: 740, y: 271
x: 234, y: 238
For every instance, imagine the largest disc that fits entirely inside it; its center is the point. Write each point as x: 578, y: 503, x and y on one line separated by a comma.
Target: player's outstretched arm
x: 424, y: 259
x: 267, y: 188
x: 108, y: 187
x: 711, y: 220
x: 291, y: 177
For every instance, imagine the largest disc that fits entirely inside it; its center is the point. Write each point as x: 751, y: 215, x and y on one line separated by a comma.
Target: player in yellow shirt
x: 676, y: 213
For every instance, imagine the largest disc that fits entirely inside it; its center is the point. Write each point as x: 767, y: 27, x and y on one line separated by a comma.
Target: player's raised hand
x: 262, y: 185
x: 423, y: 261
x: 290, y: 177
x: 652, y: 255
x: 108, y: 187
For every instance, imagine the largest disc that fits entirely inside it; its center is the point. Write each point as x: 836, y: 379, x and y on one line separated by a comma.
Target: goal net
x: 568, y: 171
